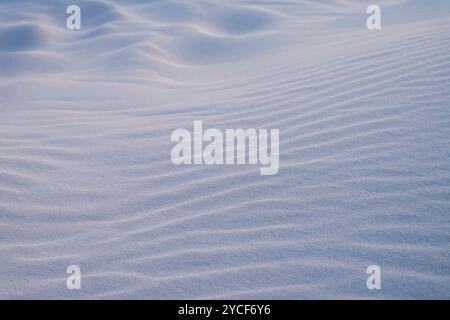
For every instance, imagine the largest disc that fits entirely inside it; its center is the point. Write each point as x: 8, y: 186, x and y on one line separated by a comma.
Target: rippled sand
x: 85, y: 170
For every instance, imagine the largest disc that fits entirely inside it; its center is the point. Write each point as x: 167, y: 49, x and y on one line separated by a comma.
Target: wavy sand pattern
x: 85, y: 170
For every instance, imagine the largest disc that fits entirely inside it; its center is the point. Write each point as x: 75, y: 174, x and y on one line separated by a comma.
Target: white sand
x: 85, y: 170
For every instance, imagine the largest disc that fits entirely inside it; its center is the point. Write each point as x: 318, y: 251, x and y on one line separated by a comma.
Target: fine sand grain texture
x: 86, y: 176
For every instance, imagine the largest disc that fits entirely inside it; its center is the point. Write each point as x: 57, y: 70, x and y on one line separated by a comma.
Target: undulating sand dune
x: 86, y: 176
